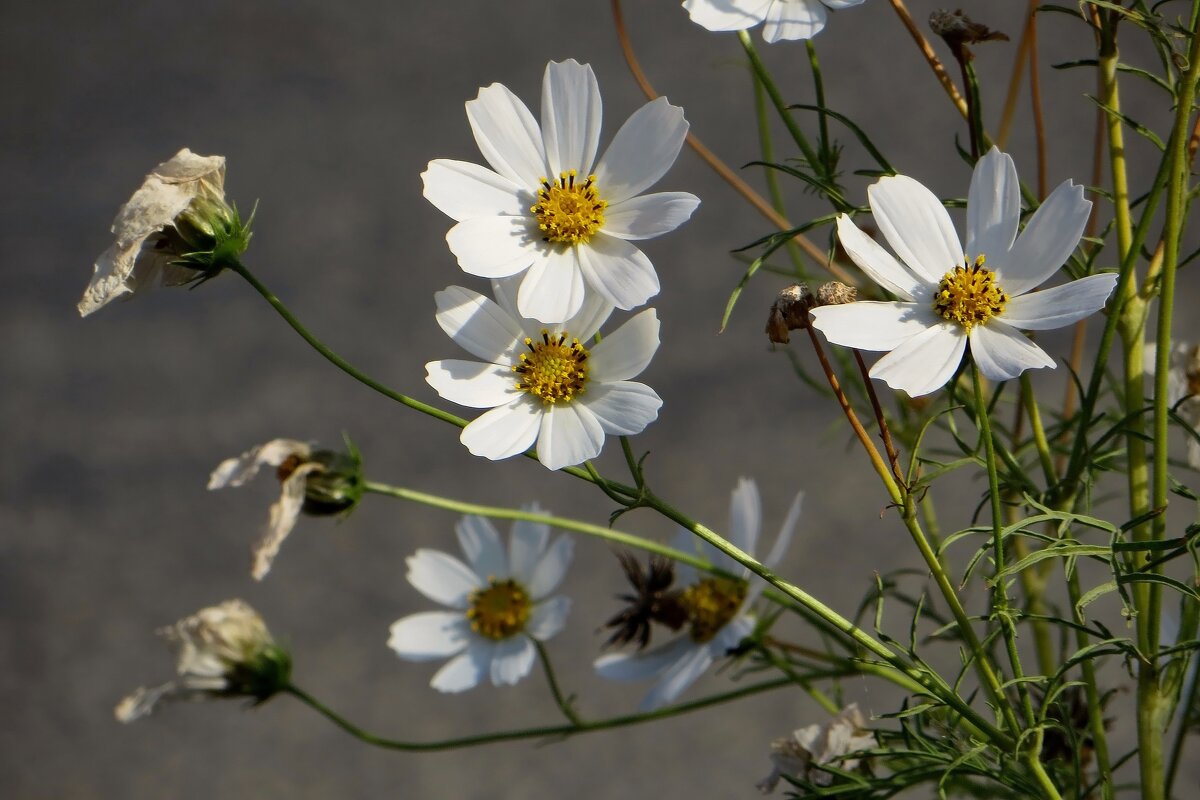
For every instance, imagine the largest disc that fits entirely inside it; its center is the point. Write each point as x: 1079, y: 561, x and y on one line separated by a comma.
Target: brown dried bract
x: 959, y: 30
x: 653, y: 600
x: 789, y: 312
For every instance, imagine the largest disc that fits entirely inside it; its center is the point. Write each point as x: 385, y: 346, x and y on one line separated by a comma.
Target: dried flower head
x: 653, y: 600
x: 176, y: 229
x: 835, y: 293
x: 316, y: 482
x: 959, y: 30
x: 221, y: 651
x: 789, y: 312
x: 802, y: 754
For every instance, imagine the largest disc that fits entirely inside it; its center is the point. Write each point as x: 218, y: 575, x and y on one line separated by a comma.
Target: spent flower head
x: 950, y: 295
x: 717, y: 608
x: 784, y: 19
x: 548, y: 210
x: 801, y: 754
x: 221, y: 651
x: 315, y: 482
x: 176, y: 229
x: 544, y: 383
x: 500, y: 602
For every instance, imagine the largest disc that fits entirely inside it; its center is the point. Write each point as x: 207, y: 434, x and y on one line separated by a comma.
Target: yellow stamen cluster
x: 568, y: 212
x: 500, y: 610
x: 969, y: 295
x: 554, y: 371
x: 710, y: 604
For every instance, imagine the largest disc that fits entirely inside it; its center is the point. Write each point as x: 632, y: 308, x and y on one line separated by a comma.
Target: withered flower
x: 789, y: 312
x: 653, y: 600
x: 959, y: 30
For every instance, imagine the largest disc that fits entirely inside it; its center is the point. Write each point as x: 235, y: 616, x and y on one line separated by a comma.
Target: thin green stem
x: 1092, y: 692
x: 543, y: 732
x: 781, y: 106
x: 1040, y: 442
x: 767, y: 148
x: 823, y: 149
x: 563, y: 703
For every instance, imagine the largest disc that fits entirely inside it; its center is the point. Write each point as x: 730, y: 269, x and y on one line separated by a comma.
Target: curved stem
x: 781, y: 108
x: 543, y: 732
x: 563, y: 703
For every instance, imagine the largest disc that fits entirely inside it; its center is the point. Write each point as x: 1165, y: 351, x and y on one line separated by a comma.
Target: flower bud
x: 835, y: 294
x: 221, y: 651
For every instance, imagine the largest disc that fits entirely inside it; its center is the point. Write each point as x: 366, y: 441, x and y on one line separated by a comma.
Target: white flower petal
x: 642, y: 151
x: 916, y: 225
x: 623, y: 408
x: 993, y: 208
x: 591, y: 315
x: 504, y: 431
x: 512, y: 659
x: 785, y: 532
x: 570, y: 116
x: 794, y: 19
x: 638, y: 666
x: 837, y: 5
x: 618, y: 271
x: 466, y: 670
x: 570, y: 435
x: 526, y: 547
x: 282, y: 519
x: 1061, y: 305
x: 548, y: 618
x: 727, y: 15
x: 441, y: 577
x: 871, y: 325
x: 625, y: 352
x: 649, y: 215
x: 478, y: 325
x: 430, y: 635
x: 233, y: 472
x: 552, y: 290
x: 480, y: 543
x: 879, y: 265
x: 745, y: 515
x: 508, y: 135
x: 925, y: 362
x: 472, y: 383
x: 678, y: 677
x: 1047, y: 241
x: 462, y: 190
x: 551, y: 568
x: 1002, y: 352
x: 494, y: 247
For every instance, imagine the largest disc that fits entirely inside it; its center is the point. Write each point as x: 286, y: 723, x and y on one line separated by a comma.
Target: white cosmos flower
x: 544, y: 383
x: 785, y: 19
x: 500, y: 601
x: 718, y: 609
x: 950, y: 295
x: 548, y: 208
x: 802, y: 753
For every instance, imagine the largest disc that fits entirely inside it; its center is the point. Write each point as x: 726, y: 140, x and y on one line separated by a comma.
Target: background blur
x: 327, y: 114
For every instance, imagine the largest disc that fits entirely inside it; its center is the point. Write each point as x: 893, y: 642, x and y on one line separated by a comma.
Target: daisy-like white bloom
x: 221, y: 651
x: 1183, y: 384
x: 785, y: 19
x: 798, y: 755
x: 949, y: 295
x: 718, y: 609
x: 544, y: 383
x: 179, y: 209
x: 317, y: 482
x: 548, y: 208
x: 500, y: 599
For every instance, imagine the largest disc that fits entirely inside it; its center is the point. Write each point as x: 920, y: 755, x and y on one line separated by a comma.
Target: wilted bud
x: 789, y: 312
x: 221, y: 651
x: 800, y: 754
x: 316, y: 482
x: 959, y: 31
x: 835, y: 294
x: 176, y: 229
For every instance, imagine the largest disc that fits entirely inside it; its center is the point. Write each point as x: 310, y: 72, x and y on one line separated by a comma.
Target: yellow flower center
x: 569, y: 212
x: 500, y: 610
x: 553, y: 370
x: 710, y: 604
x: 969, y: 295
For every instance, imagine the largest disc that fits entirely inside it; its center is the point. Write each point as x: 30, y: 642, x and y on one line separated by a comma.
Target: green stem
x: 1092, y: 691
x: 772, y: 175
x: 822, y: 119
x: 542, y: 732
x: 563, y: 703
x: 781, y: 107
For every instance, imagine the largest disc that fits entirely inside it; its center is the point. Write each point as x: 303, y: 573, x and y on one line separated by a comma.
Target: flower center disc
x: 500, y: 610
x: 569, y: 212
x: 553, y: 370
x: 969, y: 296
x: 710, y: 604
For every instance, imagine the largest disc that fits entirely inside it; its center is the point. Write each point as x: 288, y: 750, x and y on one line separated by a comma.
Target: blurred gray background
x: 327, y: 114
